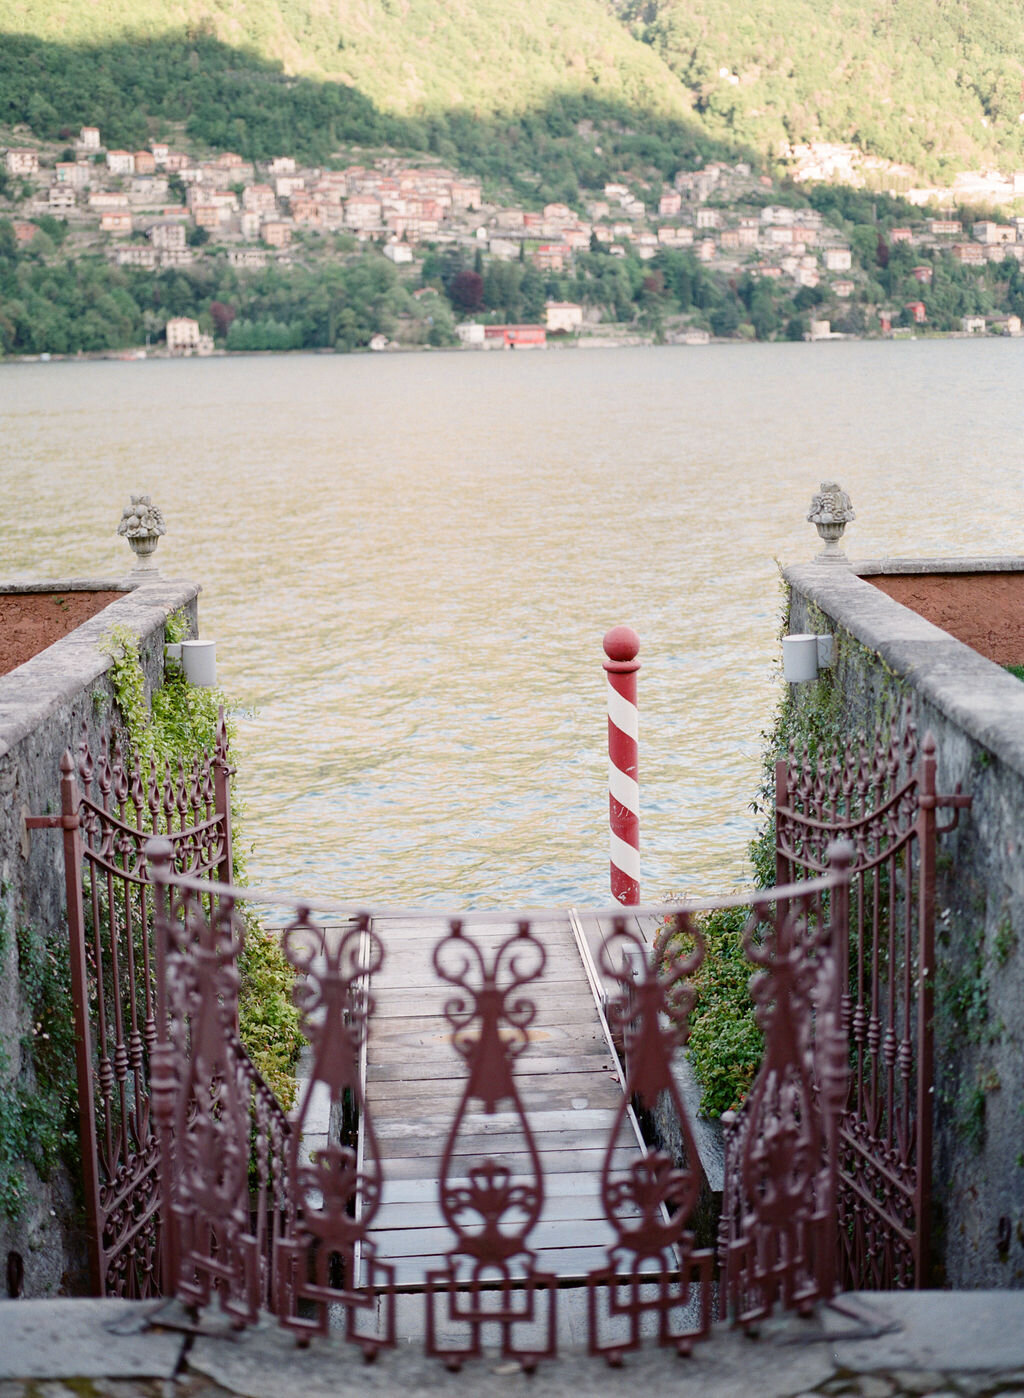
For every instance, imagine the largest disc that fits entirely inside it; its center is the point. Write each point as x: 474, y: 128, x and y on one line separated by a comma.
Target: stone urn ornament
x: 142, y: 524
x: 830, y: 513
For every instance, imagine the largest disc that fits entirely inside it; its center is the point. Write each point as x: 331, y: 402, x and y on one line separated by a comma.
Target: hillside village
x: 159, y: 208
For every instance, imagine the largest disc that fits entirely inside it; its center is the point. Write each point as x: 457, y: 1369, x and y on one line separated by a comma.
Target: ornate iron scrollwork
x: 491, y: 1276
x: 329, y: 1258
x: 778, y: 1215
x: 653, y: 1270
x: 207, y: 1137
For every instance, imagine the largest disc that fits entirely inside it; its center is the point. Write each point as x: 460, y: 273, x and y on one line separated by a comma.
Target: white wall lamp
x: 199, y: 661
x: 803, y: 655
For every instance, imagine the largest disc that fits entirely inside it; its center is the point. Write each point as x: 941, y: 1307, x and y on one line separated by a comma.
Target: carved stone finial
x: 142, y: 524
x: 830, y: 513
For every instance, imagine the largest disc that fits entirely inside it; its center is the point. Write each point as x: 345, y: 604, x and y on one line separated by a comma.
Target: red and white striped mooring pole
x: 621, y: 645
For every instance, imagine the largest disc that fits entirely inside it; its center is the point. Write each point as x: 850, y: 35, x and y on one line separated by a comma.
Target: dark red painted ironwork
x: 110, y: 807
x: 212, y: 1249
x: 621, y: 645
x: 882, y: 798
x: 653, y: 1270
x: 326, y: 1256
x: 778, y: 1226
x: 223, y: 1140
x: 491, y: 1275
x: 305, y: 1249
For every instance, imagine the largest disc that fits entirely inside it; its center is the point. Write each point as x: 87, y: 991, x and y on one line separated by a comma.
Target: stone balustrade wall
x: 43, y: 705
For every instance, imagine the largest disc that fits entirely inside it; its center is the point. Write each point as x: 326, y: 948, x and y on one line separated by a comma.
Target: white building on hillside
x: 563, y: 315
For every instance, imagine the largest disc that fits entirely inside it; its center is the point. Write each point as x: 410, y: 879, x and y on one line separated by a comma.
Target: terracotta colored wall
x: 31, y: 621
x: 984, y: 610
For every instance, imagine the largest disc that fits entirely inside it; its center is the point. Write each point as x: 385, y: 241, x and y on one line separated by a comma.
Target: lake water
x: 409, y: 561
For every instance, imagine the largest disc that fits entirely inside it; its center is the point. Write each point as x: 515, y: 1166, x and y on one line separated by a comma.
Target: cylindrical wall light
x: 800, y: 658
x: 199, y: 660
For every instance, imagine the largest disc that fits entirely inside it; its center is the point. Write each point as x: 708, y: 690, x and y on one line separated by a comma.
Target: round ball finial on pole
x: 621, y: 645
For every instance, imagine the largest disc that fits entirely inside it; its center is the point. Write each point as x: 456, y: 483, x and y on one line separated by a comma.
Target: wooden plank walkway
x: 567, y: 1077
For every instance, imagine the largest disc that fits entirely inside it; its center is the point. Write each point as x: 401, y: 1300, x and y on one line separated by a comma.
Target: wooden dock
x: 567, y: 1077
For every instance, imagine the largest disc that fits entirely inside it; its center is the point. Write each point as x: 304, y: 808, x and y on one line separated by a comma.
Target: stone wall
x: 43, y: 704
x: 886, y: 654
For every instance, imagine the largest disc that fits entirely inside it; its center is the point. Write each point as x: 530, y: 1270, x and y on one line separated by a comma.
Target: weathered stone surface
x: 917, y: 1380
x: 65, y: 1339
x: 931, y: 1346
x: 142, y: 525
x: 710, y: 1147
x: 729, y: 1366
x: 43, y: 705
x: 830, y: 513
x: 964, y: 1332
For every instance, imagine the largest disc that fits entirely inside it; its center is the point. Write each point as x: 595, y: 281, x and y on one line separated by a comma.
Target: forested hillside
x: 411, y: 57
x: 933, y: 83
x: 937, y: 84
x: 623, y: 155
x: 227, y: 98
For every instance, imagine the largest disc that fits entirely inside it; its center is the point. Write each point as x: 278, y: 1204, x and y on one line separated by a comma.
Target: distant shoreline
x: 142, y: 356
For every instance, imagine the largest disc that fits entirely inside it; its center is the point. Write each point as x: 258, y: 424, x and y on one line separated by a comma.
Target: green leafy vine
x: 725, y: 1043
x: 38, y: 1095
x: 180, y: 723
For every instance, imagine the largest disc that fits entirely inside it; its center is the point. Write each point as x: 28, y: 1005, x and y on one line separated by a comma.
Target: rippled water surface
x: 409, y: 562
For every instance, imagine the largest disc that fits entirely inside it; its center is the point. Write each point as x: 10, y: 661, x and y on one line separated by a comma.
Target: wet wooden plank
x: 598, y: 1088
x: 567, y: 1081
x: 508, y: 1144
x: 427, y: 1168
x: 554, y: 1058
x: 561, y: 1262
x: 426, y: 1213
x: 558, y: 1184
x: 413, y: 1008
x: 577, y: 1011
x: 478, y: 1123
x: 431, y: 1242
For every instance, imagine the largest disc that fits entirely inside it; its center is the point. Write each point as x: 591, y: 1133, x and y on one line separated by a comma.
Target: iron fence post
x: 222, y: 804
x: 73, y: 860
x: 927, y: 801
x: 782, y: 870
x: 835, y: 1055
x: 162, y: 1072
x: 621, y: 645
x: 222, y: 797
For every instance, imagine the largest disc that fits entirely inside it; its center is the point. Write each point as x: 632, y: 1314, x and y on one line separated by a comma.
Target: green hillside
x: 410, y: 57
x: 937, y: 84
x: 225, y: 98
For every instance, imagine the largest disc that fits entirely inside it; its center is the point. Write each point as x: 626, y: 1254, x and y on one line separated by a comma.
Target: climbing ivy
x: 725, y: 1042
x: 178, y: 724
x: 181, y: 721
x: 38, y: 1096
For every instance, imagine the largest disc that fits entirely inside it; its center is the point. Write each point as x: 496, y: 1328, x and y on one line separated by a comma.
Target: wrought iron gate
x: 883, y: 800
x: 295, y: 1232
x: 110, y: 807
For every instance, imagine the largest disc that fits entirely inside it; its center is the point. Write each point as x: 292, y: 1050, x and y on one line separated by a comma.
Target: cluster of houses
x: 252, y: 215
